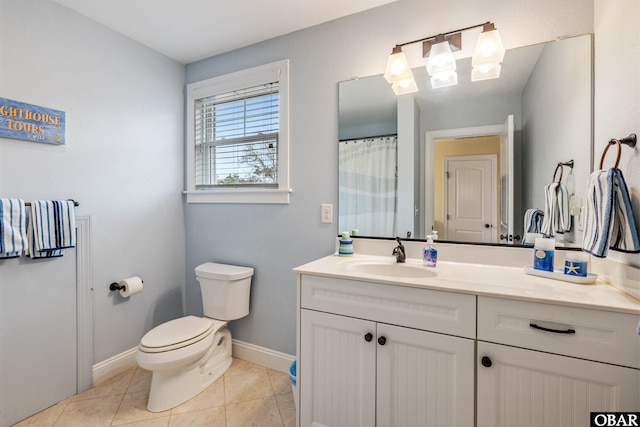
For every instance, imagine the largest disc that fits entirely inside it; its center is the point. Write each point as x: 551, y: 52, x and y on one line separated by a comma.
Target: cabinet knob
x: 368, y: 337
x: 486, y: 362
x: 382, y: 340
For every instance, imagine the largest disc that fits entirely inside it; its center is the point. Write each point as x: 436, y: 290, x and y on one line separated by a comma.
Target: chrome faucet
x: 398, y: 251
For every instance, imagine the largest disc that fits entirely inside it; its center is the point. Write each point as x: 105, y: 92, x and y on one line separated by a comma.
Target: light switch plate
x: 327, y: 214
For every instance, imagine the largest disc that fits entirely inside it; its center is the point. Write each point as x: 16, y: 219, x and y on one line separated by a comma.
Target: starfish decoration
x: 573, y: 269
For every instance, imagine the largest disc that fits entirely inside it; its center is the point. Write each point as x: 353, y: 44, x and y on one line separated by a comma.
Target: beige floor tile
x: 89, y: 413
x: 242, y: 367
x: 287, y: 408
x: 156, y: 422
x: 281, y: 382
x: 250, y: 386
x: 141, y: 381
x: 212, y: 417
x: 47, y: 417
x: 254, y: 396
x: 115, y: 386
x: 211, y: 397
x: 254, y: 413
x: 134, y: 408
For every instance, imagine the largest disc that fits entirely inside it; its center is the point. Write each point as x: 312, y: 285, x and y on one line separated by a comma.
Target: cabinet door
x: 337, y: 370
x: 424, y: 379
x: 525, y: 388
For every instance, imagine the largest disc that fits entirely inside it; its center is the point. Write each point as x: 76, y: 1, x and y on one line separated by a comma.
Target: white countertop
x: 478, y: 279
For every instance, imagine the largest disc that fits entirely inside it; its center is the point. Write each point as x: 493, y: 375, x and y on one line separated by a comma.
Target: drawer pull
x: 382, y: 340
x: 368, y: 337
x: 557, y: 331
x: 486, y: 362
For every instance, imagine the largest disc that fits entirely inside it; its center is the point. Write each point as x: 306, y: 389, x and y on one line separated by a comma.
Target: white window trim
x: 227, y: 83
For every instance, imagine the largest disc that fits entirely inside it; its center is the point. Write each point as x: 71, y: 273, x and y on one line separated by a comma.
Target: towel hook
x: 604, y: 153
x: 556, y: 171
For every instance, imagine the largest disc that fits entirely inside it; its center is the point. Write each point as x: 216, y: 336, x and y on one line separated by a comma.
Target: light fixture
x: 399, y: 74
x: 488, y: 55
x: 441, y: 63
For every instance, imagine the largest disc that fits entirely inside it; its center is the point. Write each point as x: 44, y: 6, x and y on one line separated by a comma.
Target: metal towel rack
x: 560, y: 166
x: 630, y: 140
x: 69, y: 200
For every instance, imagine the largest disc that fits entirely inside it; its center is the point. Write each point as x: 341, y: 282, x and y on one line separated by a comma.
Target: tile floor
x: 246, y: 395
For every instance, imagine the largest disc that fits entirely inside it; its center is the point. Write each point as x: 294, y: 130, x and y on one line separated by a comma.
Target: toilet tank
x: 225, y: 290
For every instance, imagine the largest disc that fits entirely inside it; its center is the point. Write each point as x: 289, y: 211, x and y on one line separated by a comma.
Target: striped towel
x: 533, y: 220
x: 557, y: 219
x: 54, y: 224
x: 609, y: 222
x: 13, y: 230
x: 32, y: 252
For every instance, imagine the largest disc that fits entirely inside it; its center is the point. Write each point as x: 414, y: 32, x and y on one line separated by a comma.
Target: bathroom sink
x: 391, y: 269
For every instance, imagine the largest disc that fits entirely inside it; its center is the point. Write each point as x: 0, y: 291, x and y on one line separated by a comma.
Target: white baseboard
x: 262, y: 356
x: 114, y: 365
x: 241, y: 350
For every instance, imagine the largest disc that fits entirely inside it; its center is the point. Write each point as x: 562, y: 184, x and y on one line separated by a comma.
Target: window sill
x: 239, y: 196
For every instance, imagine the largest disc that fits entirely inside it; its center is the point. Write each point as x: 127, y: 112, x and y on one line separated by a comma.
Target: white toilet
x: 188, y: 354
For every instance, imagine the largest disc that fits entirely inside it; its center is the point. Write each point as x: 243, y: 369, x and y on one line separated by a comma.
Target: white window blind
x: 236, y: 138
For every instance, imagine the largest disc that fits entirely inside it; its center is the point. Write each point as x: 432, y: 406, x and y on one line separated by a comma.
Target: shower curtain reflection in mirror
x: 368, y: 185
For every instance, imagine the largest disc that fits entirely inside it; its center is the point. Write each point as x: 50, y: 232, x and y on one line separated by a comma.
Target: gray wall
x: 555, y: 105
x: 123, y: 158
x: 617, y: 94
x: 276, y: 238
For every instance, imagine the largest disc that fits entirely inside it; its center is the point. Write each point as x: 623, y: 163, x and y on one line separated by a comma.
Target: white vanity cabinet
x: 383, y: 355
x: 531, y: 369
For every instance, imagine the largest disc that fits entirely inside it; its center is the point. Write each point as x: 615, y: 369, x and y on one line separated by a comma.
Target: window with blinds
x: 237, y: 145
x: 236, y: 138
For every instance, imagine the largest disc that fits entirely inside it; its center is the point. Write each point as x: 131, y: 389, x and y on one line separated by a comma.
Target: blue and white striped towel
x: 31, y: 251
x: 609, y: 222
x: 13, y: 230
x: 557, y: 218
x: 53, y: 224
x: 533, y: 220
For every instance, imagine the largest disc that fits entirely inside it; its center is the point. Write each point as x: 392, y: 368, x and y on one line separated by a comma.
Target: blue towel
x: 557, y: 219
x: 609, y: 222
x: 53, y: 224
x: 533, y: 220
x: 13, y: 230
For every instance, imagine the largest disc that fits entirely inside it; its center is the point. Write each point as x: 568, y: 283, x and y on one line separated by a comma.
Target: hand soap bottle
x: 429, y: 253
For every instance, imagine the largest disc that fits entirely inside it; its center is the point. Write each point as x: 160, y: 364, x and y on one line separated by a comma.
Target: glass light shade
x: 485, y: 72
x: 440, y: 59
x: 444, y: 79
x: 489, y: 49
x: 397, y: 68
x: 404, y: 86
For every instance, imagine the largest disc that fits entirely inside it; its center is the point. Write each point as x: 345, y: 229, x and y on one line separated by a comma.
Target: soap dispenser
x: 429, y: 253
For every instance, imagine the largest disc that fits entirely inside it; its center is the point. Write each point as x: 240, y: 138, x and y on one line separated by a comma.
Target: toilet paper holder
x: 115, y: 286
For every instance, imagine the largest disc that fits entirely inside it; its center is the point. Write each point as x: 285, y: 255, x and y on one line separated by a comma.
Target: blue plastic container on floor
x: 293, y: 377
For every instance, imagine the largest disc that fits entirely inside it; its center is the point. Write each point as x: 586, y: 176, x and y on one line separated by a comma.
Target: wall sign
x: 19, y: 120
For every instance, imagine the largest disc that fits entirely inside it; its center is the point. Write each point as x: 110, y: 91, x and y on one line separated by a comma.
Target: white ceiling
x: 190, y: 30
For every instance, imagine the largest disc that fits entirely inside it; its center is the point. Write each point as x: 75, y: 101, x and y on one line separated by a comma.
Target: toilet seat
x: 177, y: 333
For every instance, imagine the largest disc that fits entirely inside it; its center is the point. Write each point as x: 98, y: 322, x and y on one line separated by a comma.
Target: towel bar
x: 70, y: 200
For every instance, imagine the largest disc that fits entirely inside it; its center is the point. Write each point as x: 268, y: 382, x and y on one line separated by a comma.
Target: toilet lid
x: 177, y: 333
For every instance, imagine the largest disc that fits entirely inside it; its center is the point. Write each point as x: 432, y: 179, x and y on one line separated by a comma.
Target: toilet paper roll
x: 130, y: 286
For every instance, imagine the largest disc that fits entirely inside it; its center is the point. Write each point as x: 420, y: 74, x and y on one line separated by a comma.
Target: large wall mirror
x: 472, y: 161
